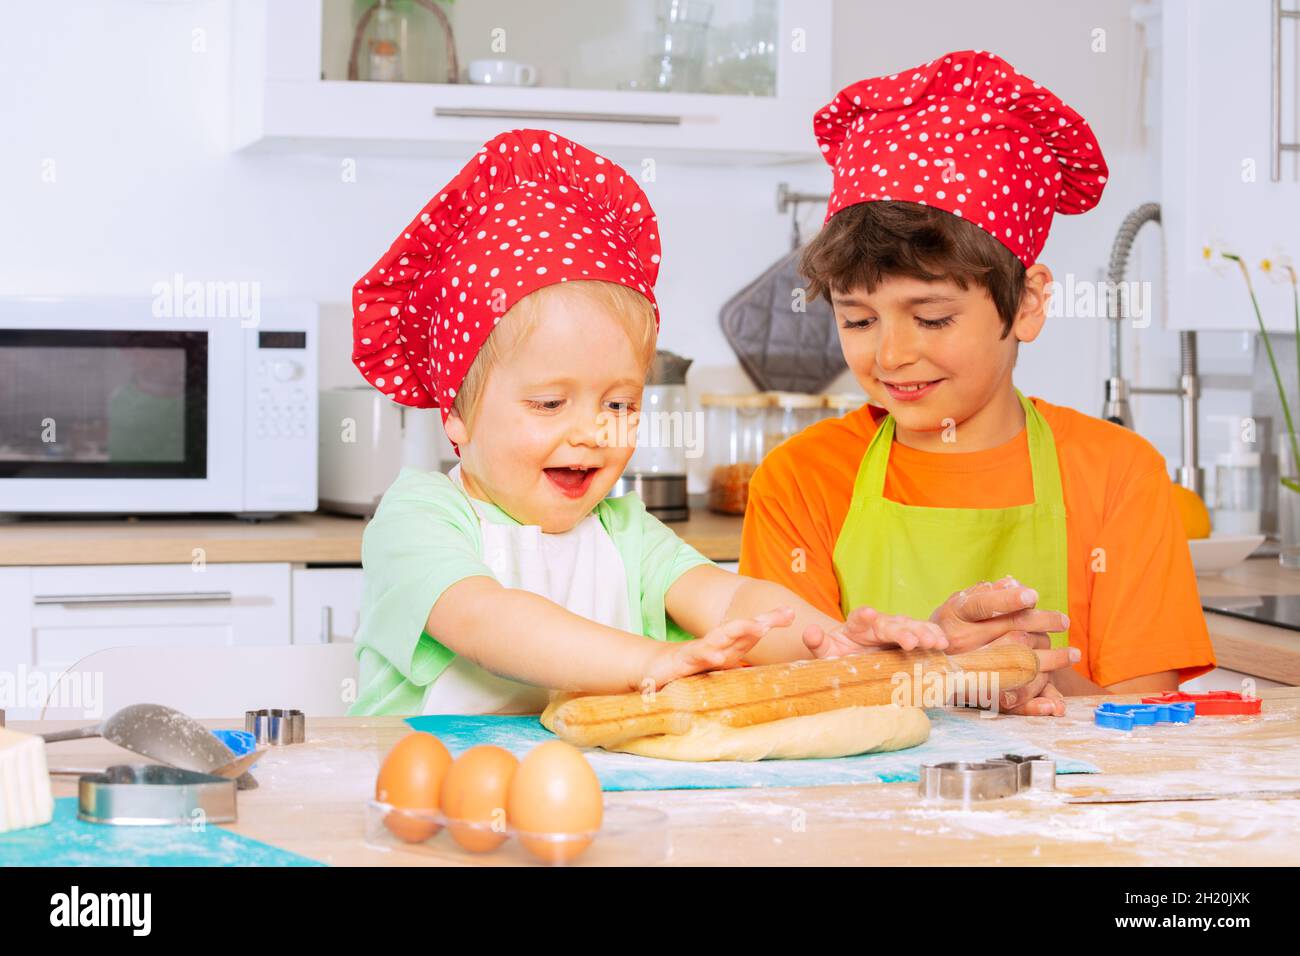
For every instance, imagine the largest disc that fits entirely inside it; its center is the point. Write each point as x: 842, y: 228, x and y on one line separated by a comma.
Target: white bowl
x: 1217, y: 553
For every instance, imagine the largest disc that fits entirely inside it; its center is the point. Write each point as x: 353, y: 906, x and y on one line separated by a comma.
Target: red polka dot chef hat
x: 968, y: 134
x: 530, y: 209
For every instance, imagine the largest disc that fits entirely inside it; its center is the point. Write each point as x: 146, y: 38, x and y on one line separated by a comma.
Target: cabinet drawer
x: 76, y: 610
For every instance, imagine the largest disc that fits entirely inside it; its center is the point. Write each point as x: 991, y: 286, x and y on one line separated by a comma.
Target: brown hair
x: 867, y: 242
x: 628, y: 305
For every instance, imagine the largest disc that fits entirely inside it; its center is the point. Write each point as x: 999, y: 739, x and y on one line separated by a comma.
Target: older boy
x: 946, y: 178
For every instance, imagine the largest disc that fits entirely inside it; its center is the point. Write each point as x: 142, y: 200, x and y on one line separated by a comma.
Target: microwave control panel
x: 280, y: 469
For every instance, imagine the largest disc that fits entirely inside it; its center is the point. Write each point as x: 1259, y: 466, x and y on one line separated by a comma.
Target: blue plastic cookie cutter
x: 1128, y: 716
x: 240, y: 742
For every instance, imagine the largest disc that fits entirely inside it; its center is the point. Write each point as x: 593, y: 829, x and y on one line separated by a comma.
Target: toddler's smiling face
x: 555, y: 422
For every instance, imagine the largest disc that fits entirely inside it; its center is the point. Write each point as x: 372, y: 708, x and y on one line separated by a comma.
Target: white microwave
x: 115, y: 406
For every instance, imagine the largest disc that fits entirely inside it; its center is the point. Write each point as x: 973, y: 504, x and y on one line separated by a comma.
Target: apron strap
x: 870, y: 482
x: 1044, y: 466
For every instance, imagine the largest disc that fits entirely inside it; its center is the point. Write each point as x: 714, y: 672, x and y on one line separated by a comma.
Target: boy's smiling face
x: 556, y: 421
x: 936, y: 355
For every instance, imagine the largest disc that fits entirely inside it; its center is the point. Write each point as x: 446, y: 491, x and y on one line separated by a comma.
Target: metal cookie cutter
x: 993, y: 779
x: 154, y: 795
x: 1033, y: 771
x: 960, y: 780
x: 276, y: 726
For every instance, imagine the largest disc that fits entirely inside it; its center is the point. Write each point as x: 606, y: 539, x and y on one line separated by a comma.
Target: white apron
x: 580, y: 569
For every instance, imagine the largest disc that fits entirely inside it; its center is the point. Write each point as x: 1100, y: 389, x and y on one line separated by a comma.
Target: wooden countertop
x: 311, y: 801
x: 1246, y: 646
x: 299, y: 539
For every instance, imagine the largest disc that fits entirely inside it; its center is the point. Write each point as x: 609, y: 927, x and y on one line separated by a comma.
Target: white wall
x: 133, y: 121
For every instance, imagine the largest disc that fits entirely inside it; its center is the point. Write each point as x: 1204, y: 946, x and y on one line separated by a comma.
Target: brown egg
x: 474, y: 797
x: 555, y: 793
x: 410, y: 778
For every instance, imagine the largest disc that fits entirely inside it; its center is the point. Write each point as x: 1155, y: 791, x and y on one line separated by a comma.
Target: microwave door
x: 121, y: 405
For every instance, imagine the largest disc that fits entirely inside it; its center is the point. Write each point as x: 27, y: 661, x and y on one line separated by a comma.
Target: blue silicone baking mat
x: 67, y: 841
x: 951, y: 738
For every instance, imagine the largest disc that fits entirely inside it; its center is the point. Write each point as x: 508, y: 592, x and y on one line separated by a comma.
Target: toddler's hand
x: 866, y: 627
x: 724, y: 646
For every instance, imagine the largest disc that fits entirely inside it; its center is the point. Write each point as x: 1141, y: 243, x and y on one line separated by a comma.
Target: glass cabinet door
x: 724, y: 47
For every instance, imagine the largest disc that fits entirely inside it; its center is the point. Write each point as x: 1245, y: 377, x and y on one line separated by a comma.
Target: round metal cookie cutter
x: 276, y: 726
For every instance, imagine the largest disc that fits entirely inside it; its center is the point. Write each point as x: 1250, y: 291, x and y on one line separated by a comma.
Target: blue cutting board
x: 67, y: 841
x: 951, y: 738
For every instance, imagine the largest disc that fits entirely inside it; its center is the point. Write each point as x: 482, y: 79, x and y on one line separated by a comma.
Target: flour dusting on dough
x: 844, y: 732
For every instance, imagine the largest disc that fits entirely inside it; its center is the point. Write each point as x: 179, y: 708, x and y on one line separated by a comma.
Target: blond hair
x: 631, y: 307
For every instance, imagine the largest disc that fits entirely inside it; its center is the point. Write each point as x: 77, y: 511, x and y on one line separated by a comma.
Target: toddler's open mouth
x: 571, y: 482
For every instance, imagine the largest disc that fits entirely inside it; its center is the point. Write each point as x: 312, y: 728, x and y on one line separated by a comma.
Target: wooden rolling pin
x: 743, y: 696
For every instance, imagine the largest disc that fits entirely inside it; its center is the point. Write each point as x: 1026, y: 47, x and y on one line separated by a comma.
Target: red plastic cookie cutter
x: 1217, y: 703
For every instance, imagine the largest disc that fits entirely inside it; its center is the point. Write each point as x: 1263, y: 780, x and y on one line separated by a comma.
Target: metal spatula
x: 163, y: 734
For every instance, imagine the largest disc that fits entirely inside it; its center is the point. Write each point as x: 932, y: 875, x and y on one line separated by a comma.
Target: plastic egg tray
x: 628, y: 836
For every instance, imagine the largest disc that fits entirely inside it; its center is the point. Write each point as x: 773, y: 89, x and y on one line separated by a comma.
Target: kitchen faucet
x: 1116, y: 407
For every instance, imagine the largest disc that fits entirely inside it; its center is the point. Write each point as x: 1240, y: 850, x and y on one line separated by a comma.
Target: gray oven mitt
x: 781, y: 349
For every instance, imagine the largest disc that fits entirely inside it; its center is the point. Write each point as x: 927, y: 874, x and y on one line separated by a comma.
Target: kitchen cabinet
x: 56, y: 615
x: 326, y: 604
x: 291, y: 91
x: 1230, y: 105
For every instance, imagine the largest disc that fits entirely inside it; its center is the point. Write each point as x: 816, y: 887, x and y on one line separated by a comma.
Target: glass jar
x: 401, y: 41
x: 1237, y: 493
x: 789, y: 414
x: 840, y: 404
x: 734, y: 427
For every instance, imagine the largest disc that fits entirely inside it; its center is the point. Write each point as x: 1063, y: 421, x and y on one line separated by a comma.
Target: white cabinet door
x: 1219, y: 156
x: 326, y: 604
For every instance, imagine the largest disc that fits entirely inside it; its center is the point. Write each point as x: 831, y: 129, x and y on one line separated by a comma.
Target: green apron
x: 908, y: 560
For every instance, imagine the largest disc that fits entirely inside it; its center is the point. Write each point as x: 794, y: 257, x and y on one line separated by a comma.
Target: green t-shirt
x: 425, y: 537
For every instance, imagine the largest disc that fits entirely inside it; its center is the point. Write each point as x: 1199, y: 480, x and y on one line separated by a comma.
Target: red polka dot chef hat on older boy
x: 530, y: 209
x: 968, y: 134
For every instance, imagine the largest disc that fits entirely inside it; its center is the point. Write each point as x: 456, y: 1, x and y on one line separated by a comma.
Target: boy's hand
x: 724, y: 646
x: 1040, y: 697
x: 986, y: 612
x: 866, y: 627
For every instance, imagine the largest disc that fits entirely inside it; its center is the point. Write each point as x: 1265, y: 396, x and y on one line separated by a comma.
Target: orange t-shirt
x: 1134, y: 606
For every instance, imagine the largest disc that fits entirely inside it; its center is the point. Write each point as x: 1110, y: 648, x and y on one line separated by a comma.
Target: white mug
x: 501, y: 73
